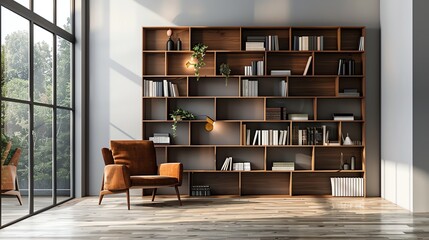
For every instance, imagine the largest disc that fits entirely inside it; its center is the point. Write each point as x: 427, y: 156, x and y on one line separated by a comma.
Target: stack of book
x: 249, y: 88
x: 298, y: 116
x: 280, y: 72
x: 349, y: 92
x: 343, y: 116
x: 160, y: 138
x: 306, y: 43
x: 347, y: 186
x: 283, y: 166
x: 255, y: 69
x: 200, y: 190
x: 346, y: 67
x: 310, y: 136
x: 276, y: 113
x: 241, y: 166
x: 262, y: 43
x: 269, y: 137
x: 160, y: 89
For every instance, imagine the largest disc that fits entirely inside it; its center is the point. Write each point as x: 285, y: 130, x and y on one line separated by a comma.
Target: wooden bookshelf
x: 319, y: 94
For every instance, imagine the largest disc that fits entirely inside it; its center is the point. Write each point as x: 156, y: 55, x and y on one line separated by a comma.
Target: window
x: 36, y: 104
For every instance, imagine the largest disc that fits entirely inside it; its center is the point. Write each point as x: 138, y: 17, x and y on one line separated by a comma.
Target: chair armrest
x: 8, y: 176
x: 116, y: 177
x: 172, y: 170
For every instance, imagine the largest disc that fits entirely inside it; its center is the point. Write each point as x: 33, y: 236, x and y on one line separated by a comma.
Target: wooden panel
x: 327, y: 107
x: 156, y: 38
x: 194, y: 158
x: 176, y: 64
x: 154, y: 109
x: 304, y: 105
x: 223, y: 133
x: 281, y: 32
x: 230, y: 38
x: 213, y: 86
x: 220, y: 183
x: 200, y: 107
x: 240, y: 109
x: 327, y: 63
x: 182, y: 138
x: 237, y: 61
x: 295, y: 62
x: 311, y: 86
x: 316, y: 183
x: 265, y: 183
x: 330, y: 158
x: 350, y: 38
x: 241, y: 154
x: 329, y: 36
x: 154, y: 64
x: 300, y: 156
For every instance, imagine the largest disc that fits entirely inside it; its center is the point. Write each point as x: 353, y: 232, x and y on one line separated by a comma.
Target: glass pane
x: 42, y: 137
x: 45, y: 8
x: 64, y: 154
x: 14, y: 171
x: 14, y: 55
x: 25, y: 3
x: 64, y: 81
x: 43, y: 70
x: 63, y: 14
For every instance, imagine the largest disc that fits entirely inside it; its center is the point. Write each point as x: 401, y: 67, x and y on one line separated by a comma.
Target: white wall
x: 396, y: 100
x: 115, y: 57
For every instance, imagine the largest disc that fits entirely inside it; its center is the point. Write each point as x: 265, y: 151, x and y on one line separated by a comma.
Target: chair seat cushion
x: 152, y: 180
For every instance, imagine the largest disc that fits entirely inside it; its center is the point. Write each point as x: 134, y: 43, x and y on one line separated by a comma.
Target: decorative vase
x: 179, y: 45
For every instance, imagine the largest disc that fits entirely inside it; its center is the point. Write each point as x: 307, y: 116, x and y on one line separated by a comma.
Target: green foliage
x: 178, y: 115
x: 225, y: 71
x: 199, y: 51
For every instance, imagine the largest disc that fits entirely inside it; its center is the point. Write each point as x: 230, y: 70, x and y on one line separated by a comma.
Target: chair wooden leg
x: 100, y: 198
x: 18, y: 195
x: 153, y: 194
x: 178, y: 194
x: 128, y: 198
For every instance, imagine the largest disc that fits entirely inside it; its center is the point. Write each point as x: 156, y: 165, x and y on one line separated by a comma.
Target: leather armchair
x: 9, y: 180
x: 132, y: 164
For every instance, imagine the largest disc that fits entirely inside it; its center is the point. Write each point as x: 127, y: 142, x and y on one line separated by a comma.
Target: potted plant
x: 199, y: 51
x: 225, y: 71
x: 179, y: 115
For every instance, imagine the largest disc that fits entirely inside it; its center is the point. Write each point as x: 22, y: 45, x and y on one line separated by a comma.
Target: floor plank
x: 223, y: 218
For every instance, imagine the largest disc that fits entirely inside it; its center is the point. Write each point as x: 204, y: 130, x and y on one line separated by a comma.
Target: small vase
x: 179, y: 45
x: 170, y: 44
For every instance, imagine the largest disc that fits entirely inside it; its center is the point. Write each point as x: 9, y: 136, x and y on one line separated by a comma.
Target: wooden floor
x: 223, y: 218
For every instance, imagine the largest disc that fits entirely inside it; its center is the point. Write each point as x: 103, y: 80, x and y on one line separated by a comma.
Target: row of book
x: 306, y: 43
x: 283, y: 166
x: 346, y: 67
x: 200, y: 190
x: 349, y: 92
x: 262, y: 43
x: 255, y: 69
x: 228, y: 165
x: 249, y: 88
x: 272, y: 137
x: 347, y: 186
x: 276, y: 113
x: 310, y: 136
x: 160, y: 88
x: 160, y: 138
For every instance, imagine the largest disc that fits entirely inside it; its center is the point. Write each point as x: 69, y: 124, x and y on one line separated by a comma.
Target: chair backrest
x: 138, y: 155
x: 107, y: 156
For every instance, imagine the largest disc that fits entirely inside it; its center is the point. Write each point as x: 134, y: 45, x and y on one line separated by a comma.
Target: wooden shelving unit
x: 316, y: 94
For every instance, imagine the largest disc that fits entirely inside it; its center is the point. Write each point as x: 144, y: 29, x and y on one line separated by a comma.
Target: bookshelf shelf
x: 334, y: 83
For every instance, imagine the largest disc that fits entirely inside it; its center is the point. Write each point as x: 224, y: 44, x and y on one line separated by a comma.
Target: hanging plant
x: 179, y: 115
x: 197, y: 58
x: 225, y: 71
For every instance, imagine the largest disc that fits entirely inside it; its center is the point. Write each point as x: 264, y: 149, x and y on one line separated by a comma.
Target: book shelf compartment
x: 322, y: 92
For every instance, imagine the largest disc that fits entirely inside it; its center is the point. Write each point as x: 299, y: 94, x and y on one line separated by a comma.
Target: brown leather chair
x: 132, y: 164
x: 9, y: 180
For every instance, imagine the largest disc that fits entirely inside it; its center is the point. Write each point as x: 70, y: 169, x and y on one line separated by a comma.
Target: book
x: 298, y: 116
x: 280, y: 72
x: 247, y: 136
x: 307, y: 66
x: 343, y: 116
